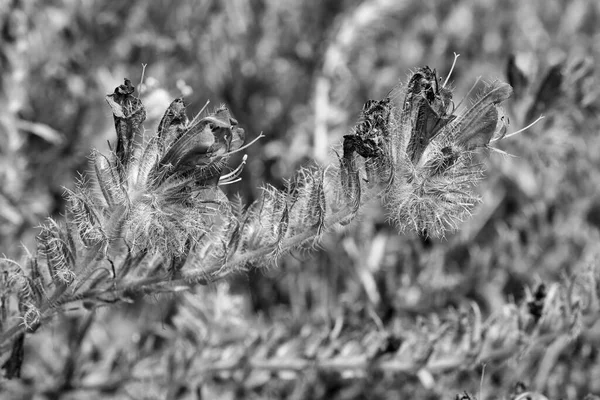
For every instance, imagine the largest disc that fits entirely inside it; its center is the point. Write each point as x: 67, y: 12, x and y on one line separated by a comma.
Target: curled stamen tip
x: 233, y: 176
x: 229, y: 182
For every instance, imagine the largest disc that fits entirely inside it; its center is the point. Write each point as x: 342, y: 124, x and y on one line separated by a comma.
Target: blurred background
x: 299, y: 72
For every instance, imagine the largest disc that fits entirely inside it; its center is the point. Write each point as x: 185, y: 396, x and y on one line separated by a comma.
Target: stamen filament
x: 141, y: 85
x: 197, y: 116
x: 246, y: 146
x: 541, y: 117
x: 236, y: 172
x: 230, y: 182
x: 451, y: 69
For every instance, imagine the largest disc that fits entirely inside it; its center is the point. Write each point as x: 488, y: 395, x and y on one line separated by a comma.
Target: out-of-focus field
x: 299, y: 72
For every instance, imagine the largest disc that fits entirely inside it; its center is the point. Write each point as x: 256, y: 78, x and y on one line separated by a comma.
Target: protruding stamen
x: 233, y: 176
x: 451, y: 69
x: 230, y: 182
x: 541, y: 117
x: 141, y: 85
x: 197, y: 116
x: 245, y: 146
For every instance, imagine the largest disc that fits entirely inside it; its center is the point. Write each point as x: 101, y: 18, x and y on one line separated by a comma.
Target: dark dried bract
x: 371, y: 132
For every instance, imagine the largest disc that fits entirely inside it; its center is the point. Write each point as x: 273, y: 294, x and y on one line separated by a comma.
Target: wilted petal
x: 478, y: 125
x: 197, y: 155
x: 172, y: 124
x: 129, y: 114
x: 422, y: 112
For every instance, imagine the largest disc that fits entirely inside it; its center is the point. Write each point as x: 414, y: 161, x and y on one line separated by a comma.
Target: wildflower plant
x: 154, y: 217
x: 452, y: 340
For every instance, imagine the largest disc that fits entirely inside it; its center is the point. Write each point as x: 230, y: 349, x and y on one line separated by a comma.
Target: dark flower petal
x: 478, y: 125
x: 198, y: 151
x: 172, y: 124
x: 424, y: 110
x: 129, y: 114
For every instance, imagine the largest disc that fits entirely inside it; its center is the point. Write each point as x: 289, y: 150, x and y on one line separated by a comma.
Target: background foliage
x: 299, y: 72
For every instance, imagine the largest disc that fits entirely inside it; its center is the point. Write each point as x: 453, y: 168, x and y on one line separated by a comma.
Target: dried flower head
x: 167, y: 188
x: 425, y: 149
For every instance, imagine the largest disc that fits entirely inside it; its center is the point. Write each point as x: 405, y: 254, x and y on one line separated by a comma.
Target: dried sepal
x: 378, y: 172
x: 28, y: 298
x: 234, y: 235
x: 252, y: 226
x: 209, y: 259
x: 35, y: 272
x: 30, y: 315
x: 267, y: 221
x: 85, y: 216
x: 351, y: 186
x: 237, y: 206
x: 281, y: 230
x: 58, y: 250
x: 25, y: 289
x: 316, y: 203
x: 297, y: 201
x: 109, y: 181
x: 273, y: 213
x: 219, y: 244
x: 146, y: 165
